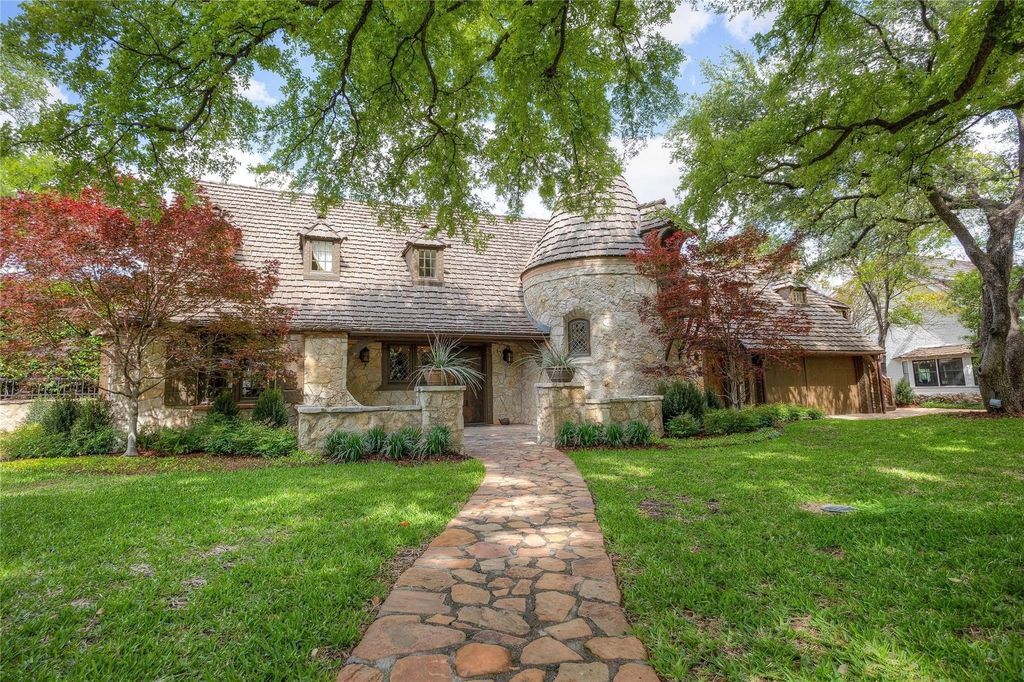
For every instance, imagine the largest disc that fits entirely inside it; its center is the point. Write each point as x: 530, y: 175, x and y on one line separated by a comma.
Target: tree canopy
x: 873, y: 108
x: 417, y: 104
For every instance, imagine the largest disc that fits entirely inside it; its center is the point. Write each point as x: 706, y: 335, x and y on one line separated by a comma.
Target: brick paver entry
x: 518, y: 586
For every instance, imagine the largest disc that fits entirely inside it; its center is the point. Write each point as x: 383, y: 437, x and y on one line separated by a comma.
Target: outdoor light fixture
x: 506, y: 355
x: 364, y: 355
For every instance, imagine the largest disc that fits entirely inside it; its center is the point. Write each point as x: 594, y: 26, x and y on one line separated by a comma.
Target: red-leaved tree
x: 715, y: 305
x: 169, y: 287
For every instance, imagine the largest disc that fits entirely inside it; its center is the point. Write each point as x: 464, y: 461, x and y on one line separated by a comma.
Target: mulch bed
x: 412, y: 462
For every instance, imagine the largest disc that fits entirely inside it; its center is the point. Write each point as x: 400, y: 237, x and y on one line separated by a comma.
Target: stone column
x: 324, y: 369
x: 557, y: 404
x: 442, y: 406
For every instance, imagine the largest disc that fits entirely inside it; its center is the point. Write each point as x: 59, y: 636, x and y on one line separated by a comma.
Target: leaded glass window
x: 399, y: 364
x: 578, y: 337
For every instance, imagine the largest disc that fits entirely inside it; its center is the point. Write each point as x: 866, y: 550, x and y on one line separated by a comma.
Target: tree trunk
x: 1001, y: 367
x: 131, y: 449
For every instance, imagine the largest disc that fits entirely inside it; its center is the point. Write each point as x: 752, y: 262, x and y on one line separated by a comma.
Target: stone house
x: 367, y: 299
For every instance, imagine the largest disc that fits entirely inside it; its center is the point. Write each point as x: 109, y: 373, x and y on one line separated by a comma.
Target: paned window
x: 925, y: 373
x: 799, y: 296
x: 951, y: 372
x: 426, y: 264
x: 578, y: 337
x: 399, y: 367
x: 321, y: 256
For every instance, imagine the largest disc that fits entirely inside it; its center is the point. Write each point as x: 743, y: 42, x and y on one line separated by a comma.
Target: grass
x: 203, y: 568
x: 727, y: 577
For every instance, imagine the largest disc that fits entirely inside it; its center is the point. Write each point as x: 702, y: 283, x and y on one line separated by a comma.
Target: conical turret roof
x: 613, y: 232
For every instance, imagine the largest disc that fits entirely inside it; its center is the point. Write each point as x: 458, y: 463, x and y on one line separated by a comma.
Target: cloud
x: 652, y: 174
x: 744, y: 25
x: 243, y: 174
x: 686, y: 24
x: 256, y: 92
x: 55, y: 94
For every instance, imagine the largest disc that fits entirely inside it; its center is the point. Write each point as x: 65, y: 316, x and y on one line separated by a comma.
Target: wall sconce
x: 364, y: 355
x: 506, y: 355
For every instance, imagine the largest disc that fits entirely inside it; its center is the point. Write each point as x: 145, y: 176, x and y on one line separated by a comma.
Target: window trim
x: 798, y: 296
x: 963, y: 370
x: 939, y: 383
x: 412, y: 259
x: 385, y: 365
x: 935, y: 368
x: 307, y: 259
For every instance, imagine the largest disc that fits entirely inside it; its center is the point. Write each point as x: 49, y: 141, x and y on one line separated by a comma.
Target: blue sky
x: 703, y: 36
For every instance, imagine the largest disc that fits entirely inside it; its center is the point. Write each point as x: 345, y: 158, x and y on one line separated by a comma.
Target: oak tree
x: 852, y: 104
x: 393, y: 102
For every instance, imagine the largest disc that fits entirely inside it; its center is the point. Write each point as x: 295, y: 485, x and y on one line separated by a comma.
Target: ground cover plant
x: 203, y: 570
x: 220, y: 435
x: 407, y: 442
x: 636, y: 433
x: 730, y: 572
x: 63, y: 428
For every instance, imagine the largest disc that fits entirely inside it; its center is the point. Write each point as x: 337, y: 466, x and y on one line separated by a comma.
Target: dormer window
x: 425, y: 258
x: 320, y: 243
x: 798, y: 296
x: 321, y: 255
x: 426, y: 264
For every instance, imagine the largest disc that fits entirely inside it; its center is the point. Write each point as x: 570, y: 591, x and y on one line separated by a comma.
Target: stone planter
x: 560, y: 375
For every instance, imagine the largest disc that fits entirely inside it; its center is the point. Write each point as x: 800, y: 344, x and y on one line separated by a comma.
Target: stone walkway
x: 518, y: 587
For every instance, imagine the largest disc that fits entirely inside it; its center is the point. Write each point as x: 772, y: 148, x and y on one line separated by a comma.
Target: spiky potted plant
x: 443, y: 365
x: 560, y: 366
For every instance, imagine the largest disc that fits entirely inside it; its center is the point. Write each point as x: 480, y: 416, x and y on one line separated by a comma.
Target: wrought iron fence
x: 52, y: 387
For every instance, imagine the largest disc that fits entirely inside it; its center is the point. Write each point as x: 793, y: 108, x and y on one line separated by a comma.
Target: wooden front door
x: 474, y: 406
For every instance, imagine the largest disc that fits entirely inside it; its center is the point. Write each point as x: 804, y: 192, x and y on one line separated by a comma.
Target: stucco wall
x: 609, y: 293
x: 13, y: 413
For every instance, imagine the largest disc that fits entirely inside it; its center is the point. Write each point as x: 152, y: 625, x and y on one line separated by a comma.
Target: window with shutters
x: 578, y: 337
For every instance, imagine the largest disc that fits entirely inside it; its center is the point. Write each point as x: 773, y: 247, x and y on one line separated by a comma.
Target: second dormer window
x: 426, y: 260
x: 321, y: 256
x: 799, y: 296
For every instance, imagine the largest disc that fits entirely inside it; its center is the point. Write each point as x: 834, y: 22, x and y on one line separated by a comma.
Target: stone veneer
x: 437, y: 406
x: 560, y: 403
x: 609, y: 292
x: 324, y: 369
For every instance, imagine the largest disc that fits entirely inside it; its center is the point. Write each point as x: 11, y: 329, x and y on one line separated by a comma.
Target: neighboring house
x: 934, y: 355
x: 368, y: 298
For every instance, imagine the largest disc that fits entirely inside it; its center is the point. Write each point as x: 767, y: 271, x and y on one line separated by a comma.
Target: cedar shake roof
x: 481, y: 294
x: 569, y: 235
x: 654, y: 216
x: 829, y: 332
x: 943, y: 270
x: 930, y: 352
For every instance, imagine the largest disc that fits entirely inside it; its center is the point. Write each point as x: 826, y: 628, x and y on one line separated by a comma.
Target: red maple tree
x: 716, y: 307
x: 165, y: 287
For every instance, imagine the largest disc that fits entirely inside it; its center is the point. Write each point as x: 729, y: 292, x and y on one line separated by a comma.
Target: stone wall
x: 325, y: 369
x: 364, y: 378
x: 436, y: 406
x: 646, y: 408
x: 13, y: 413
x: 560, y: 403
x: 609, y: 293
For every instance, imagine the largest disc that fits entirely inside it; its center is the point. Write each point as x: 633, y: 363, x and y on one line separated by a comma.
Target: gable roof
x: 829, y: 331
x: 943, y: 270
x: 481, y: 295
x: 929, y: 352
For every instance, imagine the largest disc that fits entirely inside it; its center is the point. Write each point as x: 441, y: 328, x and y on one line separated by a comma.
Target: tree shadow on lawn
x: 236, y: 575
x: 922, y: 581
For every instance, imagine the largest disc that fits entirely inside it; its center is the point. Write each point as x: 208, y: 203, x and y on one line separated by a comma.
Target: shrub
x: 719, y: 422
x: 224, y: 405
x: 683, y: 426
x: 682, y: 397
x: 903, y: 394
x: 37, y: 410
x: 32, y: 440
x: 436, y: 442
x: 814, y: 413
x: 638, y: 433
x: 345, y: 446
x: 614, y: 435
x: 94, y: 415
x: 220, y: 436
x: 60, y: 416
x: 375, y: 439
x: 270, y: 409
x: 712, y: 400
x: 175, y: 440
x: 568, y: 435
x: 395, y: 446
x: 590, y: 434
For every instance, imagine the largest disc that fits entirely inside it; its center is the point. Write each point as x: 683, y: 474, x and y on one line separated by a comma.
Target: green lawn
x: 196, y: 572
x: 727, y: 577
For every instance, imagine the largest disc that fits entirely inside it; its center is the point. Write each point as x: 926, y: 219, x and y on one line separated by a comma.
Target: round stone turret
x: 580, y: 283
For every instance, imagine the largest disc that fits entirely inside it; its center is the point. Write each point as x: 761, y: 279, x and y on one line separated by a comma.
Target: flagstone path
x: 518, y: 586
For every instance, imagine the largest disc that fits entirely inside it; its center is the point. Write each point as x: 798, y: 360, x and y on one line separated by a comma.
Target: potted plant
x: 559, y: 364
x: 443, y: 365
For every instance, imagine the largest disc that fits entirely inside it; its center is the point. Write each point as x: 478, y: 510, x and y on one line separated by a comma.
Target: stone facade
x: 608, y: 292
x: 511, y: 383
x: 437, y: 406
x: 324, y: 370
x: 646, y: 408
x: 557, y: 404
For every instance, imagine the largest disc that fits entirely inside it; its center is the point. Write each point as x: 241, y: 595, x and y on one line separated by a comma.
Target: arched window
x: 577, y: 334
